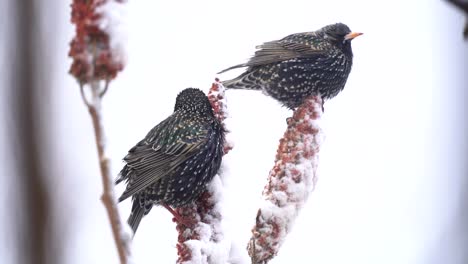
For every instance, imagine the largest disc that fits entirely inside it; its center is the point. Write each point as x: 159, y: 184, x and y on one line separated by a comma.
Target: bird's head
x: 339, y: 34
x: 193, y: 100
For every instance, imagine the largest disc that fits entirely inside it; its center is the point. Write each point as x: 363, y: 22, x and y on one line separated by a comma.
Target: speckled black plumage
x: 176, y: 160
x: 300, y: 65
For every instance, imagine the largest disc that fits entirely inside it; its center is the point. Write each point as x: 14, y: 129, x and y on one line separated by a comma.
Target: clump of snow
x: 290, y: 182
x: 210, y: 245
x: 113, y: 17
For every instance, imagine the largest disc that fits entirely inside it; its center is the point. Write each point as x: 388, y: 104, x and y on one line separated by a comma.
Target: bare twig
x: 106, y: 86
x: 290, y: 181
x: 83, y: 96
x: 95, y: 61
x: 108, y: 193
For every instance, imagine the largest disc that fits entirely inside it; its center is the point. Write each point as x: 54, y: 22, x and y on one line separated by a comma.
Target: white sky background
x: 392, y: 163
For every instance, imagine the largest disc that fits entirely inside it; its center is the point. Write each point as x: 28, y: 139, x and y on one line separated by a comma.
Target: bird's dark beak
x: 352, y: 35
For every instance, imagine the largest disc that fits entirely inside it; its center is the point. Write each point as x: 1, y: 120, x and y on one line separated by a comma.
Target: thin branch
x: 106, y: 86
x: 94, y: 60
x: 108, y: 199
x: 83, y: 96
x: 290, y: 181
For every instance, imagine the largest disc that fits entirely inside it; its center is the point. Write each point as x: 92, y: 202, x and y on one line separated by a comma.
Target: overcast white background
x: 392, y: 165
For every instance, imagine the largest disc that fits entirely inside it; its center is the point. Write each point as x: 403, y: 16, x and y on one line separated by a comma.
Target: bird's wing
x: 280, y: 50
x: 153, y: 160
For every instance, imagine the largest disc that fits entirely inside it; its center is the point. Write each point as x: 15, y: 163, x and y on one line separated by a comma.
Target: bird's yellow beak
x: 352, y: 35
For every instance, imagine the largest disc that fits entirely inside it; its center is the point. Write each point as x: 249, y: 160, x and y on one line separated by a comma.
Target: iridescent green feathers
x: 176, y: 159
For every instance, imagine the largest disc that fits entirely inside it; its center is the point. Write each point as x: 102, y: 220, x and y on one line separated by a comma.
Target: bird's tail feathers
x: 136, y: 215
x: 233, y: 67
x: 246, y: 81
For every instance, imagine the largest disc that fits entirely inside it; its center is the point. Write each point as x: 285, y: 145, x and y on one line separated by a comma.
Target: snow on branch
x: 98, y: 48
x: 203, y: 241
x: 98, y: 55
x: 290, y: 181
x: 219, y: 104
